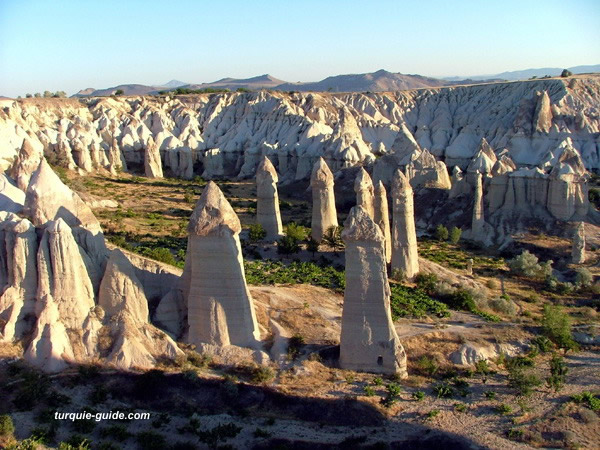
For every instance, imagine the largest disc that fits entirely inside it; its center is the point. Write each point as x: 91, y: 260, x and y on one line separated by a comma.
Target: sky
x: 72, y: 45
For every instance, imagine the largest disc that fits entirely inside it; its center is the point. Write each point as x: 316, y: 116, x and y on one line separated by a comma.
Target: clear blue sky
x: 71, y: 45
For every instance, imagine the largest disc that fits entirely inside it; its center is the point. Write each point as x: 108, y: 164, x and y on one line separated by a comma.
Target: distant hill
x: 379, y: 81
x: 173, y: 84
x: 261, y: 82
x: 528, y: 73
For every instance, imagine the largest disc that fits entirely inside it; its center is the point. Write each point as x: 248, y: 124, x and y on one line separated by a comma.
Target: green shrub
x: 296, y: 232
x: 256, y: 232
x: 441, y: 233
x: 378, y: 381
x: 410, y: 302
x: 455, y: 234
x: 333, y: 238
x: 159, y: 254
x: 392, y: 393
x: 526, y: 264
x: 588, y: 399
x: 287, y: 245
x: 262, y: 374
x: 504, y: 306
x: 295, y: 344
x: 460, y: 407
x: 558, y: 373
x: 584, y: 277
x: 521, y: 380
x: 566, y: 73
x: 427, y: 365
x: 460, y: 299
x: 556, y: 325
x: 312, y: 246
x: 443, y: 390
x: 7, y: 426
x: 504, y: 409
x: 275, y: 272
x: 543, y: 344
x: 369, y: 391
x: 490, y: 395
x: 427, y: 282
x: 433, y: 413
x: 418, y: 395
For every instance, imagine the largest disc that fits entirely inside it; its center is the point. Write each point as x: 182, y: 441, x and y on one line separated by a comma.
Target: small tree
x: 526, y: 264
x: 566, y: 73
x: 37, y: 95
x: 119, y: 92
x: 287, y: 245
x: 556, y: 325
x: 441, y: 233
x: 558, y: 373
x: 296, y: 232
x: 333, y: 238
x: 584, y: 277
x: 256, y: 232
x: 28, y: 95
x: 455, y: 234
x: 6, y: 425
x: 47, y: 94
x: 312, y: 246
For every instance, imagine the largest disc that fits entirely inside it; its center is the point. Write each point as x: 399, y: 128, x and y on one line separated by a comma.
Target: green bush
x: 414, y: 302
x: 521, y: 380
x: 504, y: 409
x: 441, y: 233
x: 256, y: 232
x: 333, y: 238
x: 556, y: 326
x: 7, y: 426
x: 275, y: 272
x: 588, y: 399
x: 427, y: 282
x: 566, y: 73
x: 443, y: 390
x: 312, y: 246
x: 418, y: 395
x: 455, y: 234
x: 287, y: 245
x: 159, y: 254
x: 558, y: 373
x: 584, y: 277
x: 296, y: 232
x: 427, y: 365
x: 526, y: 264
x: 392, y: 394
x: 460, y: 299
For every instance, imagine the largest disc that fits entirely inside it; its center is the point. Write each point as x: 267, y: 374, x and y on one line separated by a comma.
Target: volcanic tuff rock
x: 382, y: 218
x: 220, y: 308
x: 267, y: 200
x: 368, y: 340
x: 324, y: 214
x: 365, y: 195
x: 219, y: 132
x: 26, y: 162
x: 152, y: 162
x: 404, y: 237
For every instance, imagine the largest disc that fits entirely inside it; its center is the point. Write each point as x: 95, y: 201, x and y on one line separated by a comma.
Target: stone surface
x: 218, y: 300
x: 267, y: 200
x: 365, y: 192
x: 152, y: 162
x: 27, y: 161
x: 11, y: 197
x: 404, y: 237
x: 324, y: 214
x: 478, y: 220
x: 578, y: 249
x: 368, y: 339
x: 468, y: 354
x: 382, y: 218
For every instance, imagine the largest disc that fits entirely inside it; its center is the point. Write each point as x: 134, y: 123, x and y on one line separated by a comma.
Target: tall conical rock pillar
x: 382, y: 218
x: 478, y: 221
x: 216, y: 275
x: 267, y: 200
x: 152, y: 162
x: 17, y: 299
x: 365, y: 195
x: 404, y: 236
x: 324, y: 214
x: 368, y: 339
x: 27, y: 161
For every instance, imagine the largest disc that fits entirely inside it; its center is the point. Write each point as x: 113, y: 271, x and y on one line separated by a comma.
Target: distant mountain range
x: 528, y: 73
x: 379, y: 81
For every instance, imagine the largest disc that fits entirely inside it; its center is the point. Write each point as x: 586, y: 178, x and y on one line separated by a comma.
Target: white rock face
x: 426, y: 171
x: 49, y: 199
x: 578, y: 250
x: 11, y: 197
x: 365, y: 195
x: 478, y: 221
x: 267, y: 200
x: 229, y: 131
x: 468, y: 354
x: 17, y: 298
x: 152, y: 162
x: 27, y: 161
x: 459, y: 184
x: 63, y: 275
x: 137, y: 343
x: 324, y: 214
x: 404, y: 237
x: 368, y: 339
x: 382, y: 218
x: 220, y: 307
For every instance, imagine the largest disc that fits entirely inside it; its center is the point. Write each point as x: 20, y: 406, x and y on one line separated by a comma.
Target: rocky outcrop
x: 27, y: 161
x: 578, y: 248
x: 324, y: 214
x: 18, y: 293
x: 459, y: 184
x: 382, y: 218
x: 363, y: 186
x: 220, y: 308
x: 478, y: 220
x: 426, y: 171
x: 11, y: 197
x: 368, y: 339
x: 267, y: 200
x: 404, y: 237
x: 225, y: 134
x: 152, y: 162
x: 136, y: 343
